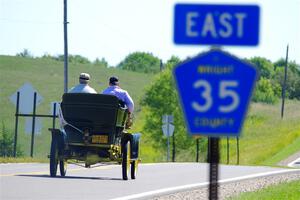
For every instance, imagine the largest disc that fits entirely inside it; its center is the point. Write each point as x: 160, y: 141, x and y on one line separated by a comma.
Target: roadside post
x: 168, y: 130
x: 215, y: 87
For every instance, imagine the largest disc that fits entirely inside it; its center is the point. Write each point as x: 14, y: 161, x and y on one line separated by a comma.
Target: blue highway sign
x: 212, y: 24
x: 215, y: 89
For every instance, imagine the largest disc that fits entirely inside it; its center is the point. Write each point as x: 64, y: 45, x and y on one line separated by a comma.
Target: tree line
x: 268, y: 88
x: 137, y: 61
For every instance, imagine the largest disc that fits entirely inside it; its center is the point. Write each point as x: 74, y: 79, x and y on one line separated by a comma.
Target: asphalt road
x: 32, y: 181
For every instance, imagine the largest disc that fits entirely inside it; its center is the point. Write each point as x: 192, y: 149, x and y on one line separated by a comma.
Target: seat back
x: 97, y: 113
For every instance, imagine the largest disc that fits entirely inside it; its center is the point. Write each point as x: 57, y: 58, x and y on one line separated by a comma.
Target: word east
x: 223, y: 25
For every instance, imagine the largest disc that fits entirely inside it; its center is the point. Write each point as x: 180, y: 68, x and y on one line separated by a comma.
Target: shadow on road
x: 70, y: 177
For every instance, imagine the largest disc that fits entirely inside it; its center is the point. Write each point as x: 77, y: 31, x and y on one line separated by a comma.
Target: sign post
x: 168, y: 129
x: 22, y: 99
x: 216, y: 94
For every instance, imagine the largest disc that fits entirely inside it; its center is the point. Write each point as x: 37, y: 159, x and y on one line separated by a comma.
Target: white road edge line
x: 190, y: 186
x: 293, y: 162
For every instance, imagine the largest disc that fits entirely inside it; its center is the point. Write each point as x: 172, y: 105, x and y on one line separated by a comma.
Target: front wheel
x: 125, y: 160
x: 53, y: 158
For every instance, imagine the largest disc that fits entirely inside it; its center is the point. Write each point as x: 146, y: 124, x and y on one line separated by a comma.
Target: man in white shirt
x: 83, y: 86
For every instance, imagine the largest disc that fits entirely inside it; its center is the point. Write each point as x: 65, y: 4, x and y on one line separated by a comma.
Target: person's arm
x: 129, y: 102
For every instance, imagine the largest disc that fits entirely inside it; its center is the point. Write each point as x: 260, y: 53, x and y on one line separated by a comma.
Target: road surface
x: 32, y: 181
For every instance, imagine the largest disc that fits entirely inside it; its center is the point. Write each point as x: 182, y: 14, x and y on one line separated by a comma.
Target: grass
x: 266, y: 138
x: 284, y: 153
x: 287, y: 191
x: 147, y: 152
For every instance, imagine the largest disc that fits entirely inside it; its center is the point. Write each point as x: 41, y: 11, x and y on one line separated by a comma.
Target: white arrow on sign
x: 168, y: 131
x: 26, y: 98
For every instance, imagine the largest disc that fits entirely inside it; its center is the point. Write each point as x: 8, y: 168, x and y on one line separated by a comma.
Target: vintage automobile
x: 93, y: 131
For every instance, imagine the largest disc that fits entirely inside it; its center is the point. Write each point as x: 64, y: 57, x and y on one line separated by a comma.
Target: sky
x: 115, y: 28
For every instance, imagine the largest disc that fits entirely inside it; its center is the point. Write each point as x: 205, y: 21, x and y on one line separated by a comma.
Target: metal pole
x: 65, y: 48
x: 168, y: 143
x: 208, y: 149
x: 214, y: 168
x: 16, y: 125
x: 227, y: 150
x: 54, y: 115
x: 197, y: 150
x: 173, y: 149
x: 284, y: 82
x: 33, y: 125
x: 238, y: 150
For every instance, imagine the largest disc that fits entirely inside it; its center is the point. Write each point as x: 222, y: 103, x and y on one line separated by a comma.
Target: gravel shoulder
x: 227, y: 190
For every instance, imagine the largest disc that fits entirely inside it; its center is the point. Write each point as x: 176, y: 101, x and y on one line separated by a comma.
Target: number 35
x: 224, y: 92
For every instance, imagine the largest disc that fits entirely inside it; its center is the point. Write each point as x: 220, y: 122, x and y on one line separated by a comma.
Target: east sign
x: 216, y: 24
x: 215, y: 88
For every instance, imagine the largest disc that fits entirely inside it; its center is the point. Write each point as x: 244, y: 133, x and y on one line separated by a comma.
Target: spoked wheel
x: 53, y: 158
x: 126, y: 160
x: 63, y: 167
x: 134, y: 168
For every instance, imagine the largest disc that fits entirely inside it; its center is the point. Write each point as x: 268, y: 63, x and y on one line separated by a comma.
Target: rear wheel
x: 53, y: 158
x: 134, y: 169
x: 125, y: 160
x: 63, y: 167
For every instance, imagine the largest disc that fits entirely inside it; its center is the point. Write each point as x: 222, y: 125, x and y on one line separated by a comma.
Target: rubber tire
x: 125, y: 160
x: 53, y: 158
x: 63, y: 167
x: 134, y: 167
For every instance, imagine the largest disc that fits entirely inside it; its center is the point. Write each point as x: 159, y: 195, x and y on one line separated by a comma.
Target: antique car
x: 93, y: 130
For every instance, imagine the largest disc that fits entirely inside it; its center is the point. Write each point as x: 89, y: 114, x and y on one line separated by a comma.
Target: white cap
x: 84, y: 78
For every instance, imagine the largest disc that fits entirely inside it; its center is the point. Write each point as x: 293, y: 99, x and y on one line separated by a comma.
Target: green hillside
x: 266, y: 138
x: 46, y: 76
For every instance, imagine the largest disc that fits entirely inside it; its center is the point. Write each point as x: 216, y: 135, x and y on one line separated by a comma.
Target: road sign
x: 167, y: 119
x: 26, y: 98
x: 215, y: 89
x: 168, y: 129
x: 213, y: 24
x: 37, y: 126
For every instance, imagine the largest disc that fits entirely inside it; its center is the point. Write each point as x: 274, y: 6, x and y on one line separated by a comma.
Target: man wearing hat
x: 83, y: 86
x: 114, y: 89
